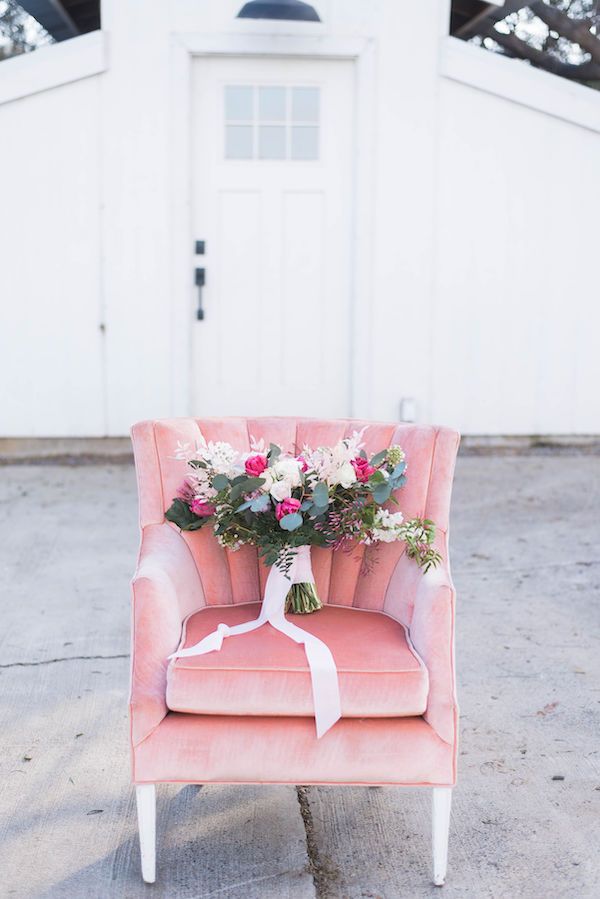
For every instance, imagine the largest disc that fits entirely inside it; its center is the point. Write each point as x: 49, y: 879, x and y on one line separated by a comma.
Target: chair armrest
x: 432, y: 633
x: 166, y: 588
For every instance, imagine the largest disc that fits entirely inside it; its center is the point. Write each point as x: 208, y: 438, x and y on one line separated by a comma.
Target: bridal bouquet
x: 329, y: 496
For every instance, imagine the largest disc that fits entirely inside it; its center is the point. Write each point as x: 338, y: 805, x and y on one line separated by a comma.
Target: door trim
x: 184, y: 47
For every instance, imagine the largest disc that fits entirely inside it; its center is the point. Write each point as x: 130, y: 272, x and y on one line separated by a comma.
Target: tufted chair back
x: 342, y: 578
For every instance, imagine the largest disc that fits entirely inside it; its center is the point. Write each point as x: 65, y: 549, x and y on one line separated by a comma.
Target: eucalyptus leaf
x: 273, y: 453
x: 220, y: 482
x: 321, y: 495
x: 261, y: 503
x: 248, y: 485
x: 245, y: 506
x: 398, y: 470
x: 306, y: 505
x: 382, y: 493
x: 378, y: 458
x: 291, y: 522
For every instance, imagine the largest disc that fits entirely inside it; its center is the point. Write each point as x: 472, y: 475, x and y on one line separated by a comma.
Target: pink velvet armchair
x: 244, y: 714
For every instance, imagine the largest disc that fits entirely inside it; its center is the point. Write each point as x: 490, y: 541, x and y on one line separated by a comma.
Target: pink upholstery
x: 266, y: 673
x: 180, y: 574
x: 217, y: 749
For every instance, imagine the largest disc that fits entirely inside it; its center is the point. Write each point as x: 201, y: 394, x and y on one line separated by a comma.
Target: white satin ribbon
x: 323, y: 673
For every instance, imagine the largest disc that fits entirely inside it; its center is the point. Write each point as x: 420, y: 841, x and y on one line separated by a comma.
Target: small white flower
x: 387, y: 527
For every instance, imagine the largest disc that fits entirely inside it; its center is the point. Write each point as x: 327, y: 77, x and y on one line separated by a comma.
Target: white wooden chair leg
x: 145, y: 796
x: 442, y: 800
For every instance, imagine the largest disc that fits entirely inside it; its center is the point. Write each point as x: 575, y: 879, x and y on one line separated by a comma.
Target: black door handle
x: 200, y: 281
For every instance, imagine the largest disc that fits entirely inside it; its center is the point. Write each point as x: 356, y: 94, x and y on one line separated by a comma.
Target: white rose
x: 267, y: 475
x: 281, y: 490
x: 289, y: 470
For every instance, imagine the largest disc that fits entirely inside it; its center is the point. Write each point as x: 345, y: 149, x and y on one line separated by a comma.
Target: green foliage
x: 180, y: 514
x: 419, y: 535
x: 246, y: 485
x: 382, y: 492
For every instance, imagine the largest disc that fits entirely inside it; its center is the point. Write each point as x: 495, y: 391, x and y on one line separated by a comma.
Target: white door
x: 272, y: 162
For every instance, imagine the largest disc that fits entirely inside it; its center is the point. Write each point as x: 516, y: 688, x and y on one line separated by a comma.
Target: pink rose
x: 287, y: 507
x: 255, y: 465
x: 362, y: 468
x: 201, y: 508
x: 303, y: 463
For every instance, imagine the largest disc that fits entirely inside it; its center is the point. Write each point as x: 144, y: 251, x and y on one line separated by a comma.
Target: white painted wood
x: 278, y: 245
x: 441, y: 803
x: 51, y: 342
x: 53, y: 65
x: 520, y: 83
x: 273, y: 44
x: 145, y: 796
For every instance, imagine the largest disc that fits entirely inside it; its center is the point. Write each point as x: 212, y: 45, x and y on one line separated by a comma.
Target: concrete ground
x: 526, y: 535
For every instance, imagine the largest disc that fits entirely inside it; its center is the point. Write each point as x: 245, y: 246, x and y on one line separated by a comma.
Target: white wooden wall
x: 482, y: 302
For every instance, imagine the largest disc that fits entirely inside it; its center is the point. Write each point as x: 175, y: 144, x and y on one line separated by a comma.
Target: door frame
x: 184, y: 49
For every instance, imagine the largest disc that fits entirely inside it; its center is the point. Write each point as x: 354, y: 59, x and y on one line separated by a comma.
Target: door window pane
x: 271, y: 142
x: 239, y: 103
x: 305, y: 142
x: 239, y: 142
x: 271, y: 104
x: 271, y: 122
x: 305, y: 104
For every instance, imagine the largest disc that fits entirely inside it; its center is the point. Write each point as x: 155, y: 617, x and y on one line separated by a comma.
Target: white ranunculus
x: 289, y: 470
x: 346, y: 476
x: 281, y: 490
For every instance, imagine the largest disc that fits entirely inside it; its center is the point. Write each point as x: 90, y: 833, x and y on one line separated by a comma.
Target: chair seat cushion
x: 265, y: 673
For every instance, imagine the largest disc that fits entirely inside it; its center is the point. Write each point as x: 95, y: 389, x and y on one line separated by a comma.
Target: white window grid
x: 288, y: 123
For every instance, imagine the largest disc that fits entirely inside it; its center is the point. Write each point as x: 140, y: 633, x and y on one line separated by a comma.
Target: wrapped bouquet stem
x: 302, y: 597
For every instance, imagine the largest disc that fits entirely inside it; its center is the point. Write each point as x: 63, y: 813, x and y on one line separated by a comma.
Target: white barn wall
x: 515, y: 314
x: 136, y: 226
x: 51, y: 367
x: 480, y: 295
x: 403, y: 204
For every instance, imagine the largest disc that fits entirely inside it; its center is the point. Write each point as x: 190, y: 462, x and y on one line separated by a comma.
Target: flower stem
x: 302, y: 599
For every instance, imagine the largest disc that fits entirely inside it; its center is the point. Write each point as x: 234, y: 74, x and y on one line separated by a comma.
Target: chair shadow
x: 204, y: 848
